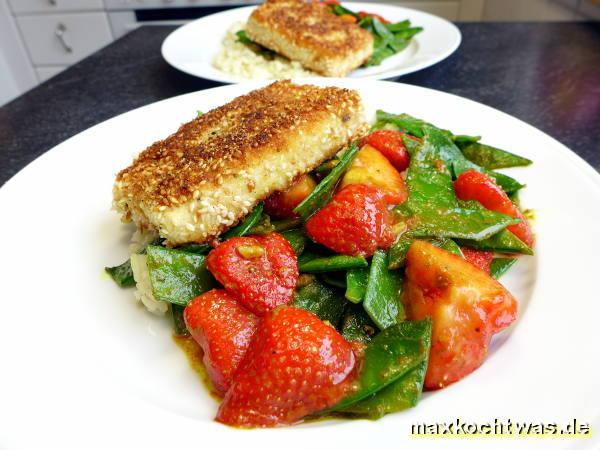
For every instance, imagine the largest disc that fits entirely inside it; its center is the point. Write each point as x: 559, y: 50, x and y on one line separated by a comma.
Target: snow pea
x: 122, y: 274
x: 464, y: 140
x: 243, y: 228
x: 502, y: 242
x: 500, y: 266
x: 400, y: 395
x: 178, y: 321
x: 490, y: 157
x: 325, y: 189
x: 432, y: 209
x: 356, y: 284
x: 286, y: 224
x: 382, y: 296
x: 324, y: 301
x: 391, y: 354
x: 356, y: 325
x: 450, y: 246
x: 332, y: 263
x: 177, y: 276
x: 398, y: 251
x: 335, y: 279
x: 297, y: 240
x: 199, y: 249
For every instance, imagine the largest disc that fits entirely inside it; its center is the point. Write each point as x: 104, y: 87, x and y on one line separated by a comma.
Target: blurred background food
x: 40, y: 38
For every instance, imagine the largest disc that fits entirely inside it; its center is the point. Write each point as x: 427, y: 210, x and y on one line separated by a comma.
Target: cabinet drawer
x: 45, y: 73
x: 62, y: 39
x: 49, y: 6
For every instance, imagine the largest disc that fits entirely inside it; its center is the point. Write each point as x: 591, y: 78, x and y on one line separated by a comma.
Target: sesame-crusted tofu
x: 208, y: 175
x: 310, y: 34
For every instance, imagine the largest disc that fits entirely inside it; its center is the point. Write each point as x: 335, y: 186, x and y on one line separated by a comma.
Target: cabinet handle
x: 60, y: 34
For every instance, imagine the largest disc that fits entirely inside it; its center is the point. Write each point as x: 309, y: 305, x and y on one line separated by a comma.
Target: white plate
x: 83, y: 366
x: 193, y: 47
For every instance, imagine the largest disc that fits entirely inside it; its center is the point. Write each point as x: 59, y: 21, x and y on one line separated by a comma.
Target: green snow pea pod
x: 356, y: 325
x: 321, y: 300
x: 178, y: 321
x: 356, y: 284
x: 122, y: 274
x: 332, y: 263
x: 177, y: 276
x: 382, y: 296
x: 389, y: 356
x: 243, y: 228
x: 402, y: 394
x: 297, y: 239
x: 325, y: 189
x: 502, y: 242
x: 490, y: 157
x: 500, y: 266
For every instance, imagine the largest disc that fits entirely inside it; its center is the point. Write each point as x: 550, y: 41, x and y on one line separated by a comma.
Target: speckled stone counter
x: 545, y: 74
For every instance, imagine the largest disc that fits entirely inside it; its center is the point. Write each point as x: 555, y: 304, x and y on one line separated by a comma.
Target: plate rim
x: 558, y: 148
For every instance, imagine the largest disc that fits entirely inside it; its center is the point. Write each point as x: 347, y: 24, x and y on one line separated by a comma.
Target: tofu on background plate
x: 207, y: 176
x: 310, y: 34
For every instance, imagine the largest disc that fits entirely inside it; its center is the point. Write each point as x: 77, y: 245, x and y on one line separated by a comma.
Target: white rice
x: 240, y: 61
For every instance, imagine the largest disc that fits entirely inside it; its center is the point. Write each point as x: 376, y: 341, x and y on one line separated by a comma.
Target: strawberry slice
x: 223, y: 329
x: 355, y: 222
x: 259, y: 271
x: 479, y: 258
x: 467, y: 307
x: 296, y: 365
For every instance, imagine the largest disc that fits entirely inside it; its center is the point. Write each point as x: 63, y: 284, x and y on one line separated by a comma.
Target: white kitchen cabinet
x: 46, y: 72
x: 52, y: 6
x: 62, y: 39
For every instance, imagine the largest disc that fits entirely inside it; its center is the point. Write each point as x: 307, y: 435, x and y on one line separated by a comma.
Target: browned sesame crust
x: 312, y: 26
x: 217, y: 150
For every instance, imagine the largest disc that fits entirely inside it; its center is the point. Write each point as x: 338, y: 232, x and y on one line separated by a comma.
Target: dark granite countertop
x: 547, y: 74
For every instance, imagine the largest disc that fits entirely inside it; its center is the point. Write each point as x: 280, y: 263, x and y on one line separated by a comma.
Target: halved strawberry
x: 223, y: 328
x: 355, y: 222
x: 474, y: 185
x: 296, y: 365
x: 370, y: 167
x: 467, y: 307
x: 479, y: 258
x: 259, y: 271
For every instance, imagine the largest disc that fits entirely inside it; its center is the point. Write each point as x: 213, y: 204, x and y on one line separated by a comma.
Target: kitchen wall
x: 40, y: 38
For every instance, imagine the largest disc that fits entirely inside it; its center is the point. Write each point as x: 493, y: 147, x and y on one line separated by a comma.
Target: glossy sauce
x: 194, y: 355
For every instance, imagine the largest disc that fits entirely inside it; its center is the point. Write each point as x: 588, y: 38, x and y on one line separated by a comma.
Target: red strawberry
x: 355, y: 222
x: 474, y: 185
x: 391, y: 145
x: 297, y: 365
x: 223, y: 329
x: 479, y: 258
x: 259, y: 271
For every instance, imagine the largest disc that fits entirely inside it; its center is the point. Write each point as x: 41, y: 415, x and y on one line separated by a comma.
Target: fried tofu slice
x: 211, y: 173
x: 310, y: 34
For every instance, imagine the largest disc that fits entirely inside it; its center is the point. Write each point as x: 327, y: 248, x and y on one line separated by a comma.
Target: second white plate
x: 193, y: 47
